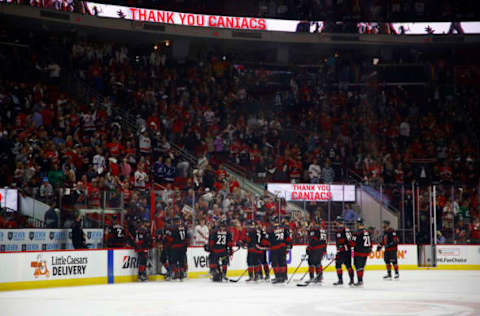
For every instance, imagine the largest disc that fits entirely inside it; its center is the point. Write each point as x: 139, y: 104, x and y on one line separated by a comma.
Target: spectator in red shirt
x: 114, y: 147
x: 233, y: 183
x: 221, y: 173
x: 475, y: 231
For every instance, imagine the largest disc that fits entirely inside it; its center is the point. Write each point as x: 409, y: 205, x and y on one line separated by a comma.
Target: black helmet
x: 275, y: 220
x: 360, y: 220
x: 339, y: 219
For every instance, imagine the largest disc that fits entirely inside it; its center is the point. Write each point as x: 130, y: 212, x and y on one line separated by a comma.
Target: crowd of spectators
x: 311, y: 126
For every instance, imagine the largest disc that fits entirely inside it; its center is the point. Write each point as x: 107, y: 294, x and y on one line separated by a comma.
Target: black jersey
x: 278, y: 237
x: 362, y: 243
x: 253, y: 239
x: 389, y: 240
x: 343, y: 239
x: 142, y: 238
x: 116, y: 235
x: 220, y: 241
x: 317, y: 238
x: 176, y: 237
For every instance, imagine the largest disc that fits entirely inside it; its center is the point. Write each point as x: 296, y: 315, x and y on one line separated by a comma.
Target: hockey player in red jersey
x: 143, y: 242
x: 177, y: 241
x: 344, y: 253
x: 317, y: 246
x: 390, y: 241
x: 362, y: 247
x: 280, y: 243
x: 220, y: 247
x: 253, y: 240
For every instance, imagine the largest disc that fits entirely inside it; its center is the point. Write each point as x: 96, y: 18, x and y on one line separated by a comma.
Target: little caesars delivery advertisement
x: 52, y: 265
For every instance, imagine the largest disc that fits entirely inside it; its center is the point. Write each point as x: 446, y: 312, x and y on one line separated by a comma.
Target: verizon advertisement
x: 313, y: 192
x: 37, y: 266
x: 198, y: 258
x: 449, y: 255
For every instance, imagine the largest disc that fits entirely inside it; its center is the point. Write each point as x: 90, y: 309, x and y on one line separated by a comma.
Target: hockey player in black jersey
x: 362, y: 247
x: 390, y: 241
x: 164, y: 251
x: 317, y: 246
x: 143, y: 242
x: 279, y: 243
x: 220, y: 247
x: 344, y: 253
x: 116, y: 234
x: 177, y: 240
x: 253, y: 241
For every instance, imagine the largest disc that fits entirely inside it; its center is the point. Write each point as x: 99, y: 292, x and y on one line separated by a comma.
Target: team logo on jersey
x: 40, y: 267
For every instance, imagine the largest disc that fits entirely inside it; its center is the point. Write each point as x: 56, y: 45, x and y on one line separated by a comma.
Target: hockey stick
x: 308, y: 282
x: 298, y: 267
x: 238, y: 279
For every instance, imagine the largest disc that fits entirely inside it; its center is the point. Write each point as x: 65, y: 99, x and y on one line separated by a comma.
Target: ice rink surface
x: 429, y: 292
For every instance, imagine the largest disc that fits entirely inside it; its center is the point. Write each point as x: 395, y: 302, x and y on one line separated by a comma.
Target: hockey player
x: 263, y: 253
x: 317, y: 246
x: 280, y: 244
x: 177, y: 240
x: 253, y: 240
x: 116, y: 234
x: 344, y: 253
x: 142, y: 244
x: 390, y: 241
x: 362, y: 247
x: 220, y: 248
x: 163, y: 248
